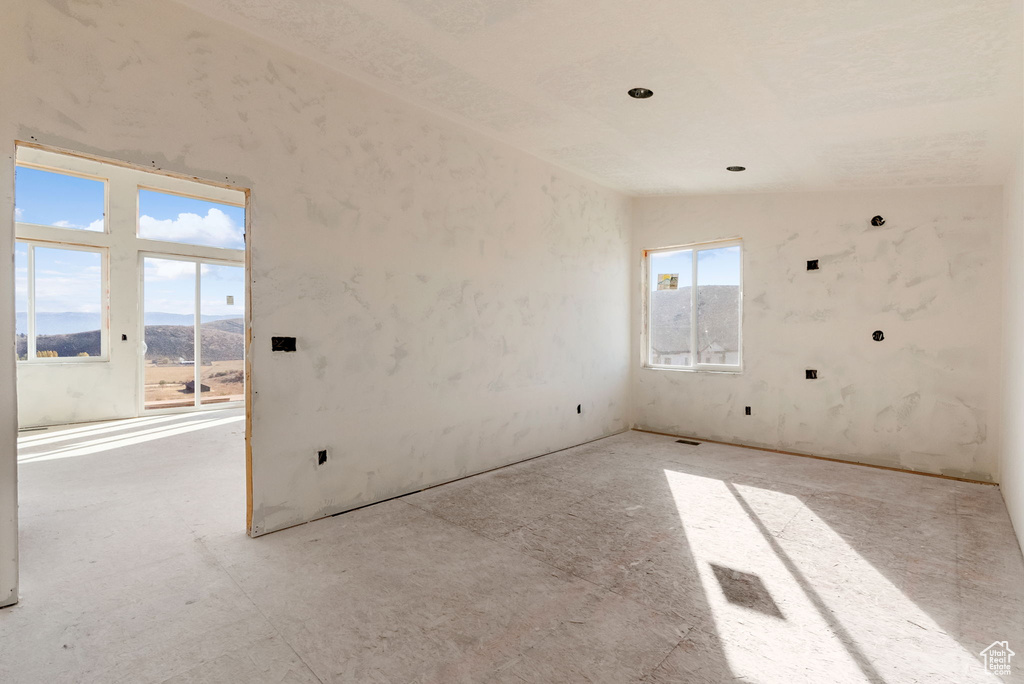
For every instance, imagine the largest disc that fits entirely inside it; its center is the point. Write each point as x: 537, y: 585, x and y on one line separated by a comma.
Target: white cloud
x: 62, y: 292
x: 172, y: 269
x: 166, y: 269
x: 216, y: 229
x: 172, y: 305
x: 220, y: 307
x: 18, y: 213
x: 96, y: 225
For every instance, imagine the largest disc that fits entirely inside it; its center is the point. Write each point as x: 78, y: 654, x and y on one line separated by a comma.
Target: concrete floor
x: 630, y: 559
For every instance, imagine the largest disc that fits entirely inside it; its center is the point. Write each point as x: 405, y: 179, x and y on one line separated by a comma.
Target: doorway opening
x: 132, y: 301
x: 131, y: 291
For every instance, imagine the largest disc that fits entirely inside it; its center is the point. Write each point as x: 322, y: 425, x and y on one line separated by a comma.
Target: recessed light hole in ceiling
x: 735, y: 168
x: 640, y: 93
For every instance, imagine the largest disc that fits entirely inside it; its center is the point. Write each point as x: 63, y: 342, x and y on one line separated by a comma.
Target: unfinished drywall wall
x: 925, y: 398
x: 1011, y: 452
x: 453, y: 300
x: 8, y: 400
x: 1011, y: 461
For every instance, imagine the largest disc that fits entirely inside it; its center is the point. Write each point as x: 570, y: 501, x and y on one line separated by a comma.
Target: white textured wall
x: 453, y: 299
x: 1011, y: 454
x: 1011, y: 462
x: 925, y: 398
x: 8, y: 400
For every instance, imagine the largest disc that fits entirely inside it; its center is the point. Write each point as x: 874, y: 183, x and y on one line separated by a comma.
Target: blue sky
x: 68, y: 280
x: 191, y: 221
x: 714, y: 266
x: 170, y: 287
x: 56, y: 199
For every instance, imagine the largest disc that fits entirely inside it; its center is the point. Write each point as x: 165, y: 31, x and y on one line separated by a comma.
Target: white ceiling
x: 808, y: 94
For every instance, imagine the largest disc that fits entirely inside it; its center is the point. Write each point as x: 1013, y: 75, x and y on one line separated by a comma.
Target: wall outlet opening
x: 321, y: 457
x: 282, y: 344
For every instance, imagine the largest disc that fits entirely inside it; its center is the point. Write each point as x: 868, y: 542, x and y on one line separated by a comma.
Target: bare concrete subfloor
x: 632, y: 559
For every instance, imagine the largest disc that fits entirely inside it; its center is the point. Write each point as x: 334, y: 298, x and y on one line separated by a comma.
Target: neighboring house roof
x: 717, y: 319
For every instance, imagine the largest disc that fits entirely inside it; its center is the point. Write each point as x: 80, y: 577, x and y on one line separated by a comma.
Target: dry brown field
x: 174, y: 377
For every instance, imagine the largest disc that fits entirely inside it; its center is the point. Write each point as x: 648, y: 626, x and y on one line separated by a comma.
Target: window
x: 185, y: 364
x: 48, y: 198
x: 694, y: 306
x: 175, y: 218
x: 21, y: 300
x: 59, y: 303
x: 142, y: 272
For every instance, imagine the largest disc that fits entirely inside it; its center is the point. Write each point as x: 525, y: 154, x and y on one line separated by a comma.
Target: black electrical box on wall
x: 284, y: 344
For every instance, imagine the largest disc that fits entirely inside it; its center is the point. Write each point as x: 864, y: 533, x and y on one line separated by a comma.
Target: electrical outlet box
x: 282, y: 344
x: 321, y: 457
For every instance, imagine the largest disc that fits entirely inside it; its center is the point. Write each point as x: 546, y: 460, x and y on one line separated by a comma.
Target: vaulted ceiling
x: 807, y: 94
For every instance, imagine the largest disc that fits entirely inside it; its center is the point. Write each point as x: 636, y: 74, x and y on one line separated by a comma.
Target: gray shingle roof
x: 717, y: 318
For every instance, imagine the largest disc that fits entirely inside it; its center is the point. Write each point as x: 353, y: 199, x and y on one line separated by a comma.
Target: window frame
x: 696, y: 366
x: 30, y: 348
x: 121, y: 242
x: 74, y: 174
x: 212, y: 196
x: 198, y: 262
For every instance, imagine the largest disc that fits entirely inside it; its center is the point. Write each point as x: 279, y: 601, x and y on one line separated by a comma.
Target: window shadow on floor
x: 882, y: 557
x: 746, y: 589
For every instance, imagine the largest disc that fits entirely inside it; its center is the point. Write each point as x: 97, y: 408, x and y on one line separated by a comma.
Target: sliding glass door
x: 194, y: 332
x: 222, y: 343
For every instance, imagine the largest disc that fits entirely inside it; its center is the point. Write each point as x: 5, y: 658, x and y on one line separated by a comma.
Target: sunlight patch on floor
x: 144, y: 432
x: 807, y: 610
x: 64, y: 433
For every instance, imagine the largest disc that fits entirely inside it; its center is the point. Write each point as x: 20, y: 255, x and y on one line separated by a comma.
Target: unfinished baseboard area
x: 820, y: 458
x: 447, y: 482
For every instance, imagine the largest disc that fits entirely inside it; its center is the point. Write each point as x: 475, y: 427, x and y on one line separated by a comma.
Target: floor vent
x: 686, y: 441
